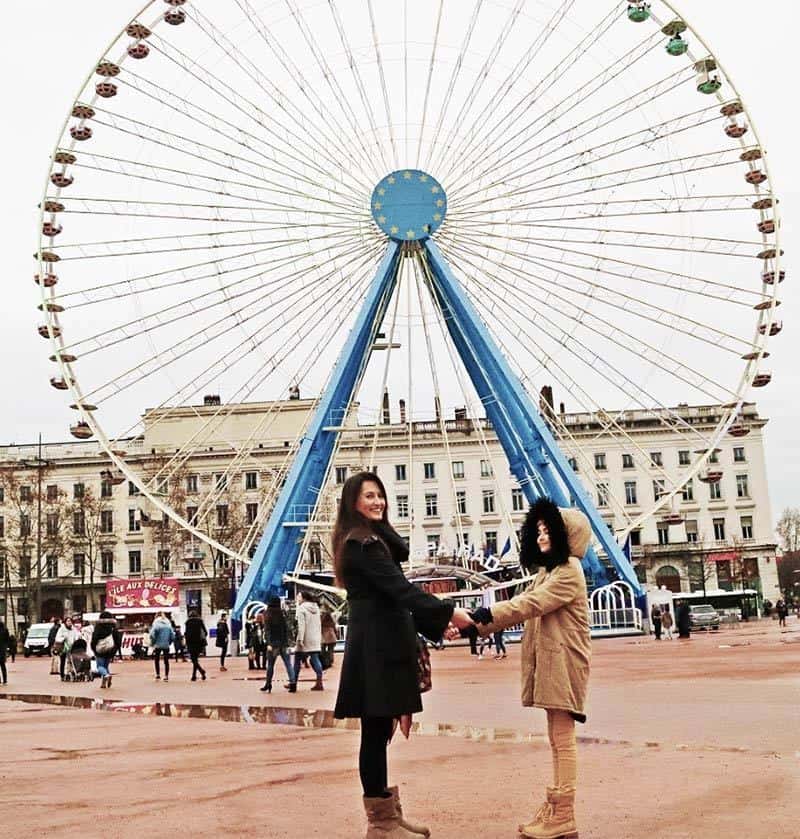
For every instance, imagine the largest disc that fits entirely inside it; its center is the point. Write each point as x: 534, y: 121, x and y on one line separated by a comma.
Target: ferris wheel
x: 459, y: 202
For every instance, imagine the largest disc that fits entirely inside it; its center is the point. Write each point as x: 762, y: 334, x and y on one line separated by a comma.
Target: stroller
x: 78, y: 663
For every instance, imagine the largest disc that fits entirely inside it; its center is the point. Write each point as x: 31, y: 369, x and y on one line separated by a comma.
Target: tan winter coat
x: 556, y: 647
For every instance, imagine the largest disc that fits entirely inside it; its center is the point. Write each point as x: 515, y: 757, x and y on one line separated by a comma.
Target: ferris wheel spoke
x: 610, y: 331
x: 457, y: 154
x: 384, y: 88
x: 431, y: 67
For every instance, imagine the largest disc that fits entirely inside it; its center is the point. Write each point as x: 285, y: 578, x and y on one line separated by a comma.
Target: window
x: 51, y: 524
x: 691, y: 530
x: 106, y: 490
x: 600, y: 461
x: 488, y: 501
x: 641, y: 572
x: 738, y: 454
x: 106, y: 521
x: 79, y: 523
x: 50, y: 566
x: 24, y: 525
x: 163, y: 560
x: 78, y: 490
x: 134, y: 525
x: 79, y: 565
x: 656, y: 459
x: 191, y: 515
x: 2, y: 570
x: 714, y: 456
x: 517, y: 500
x: 746, y: 523
x: 490, y: 540
x: 132, y: 488
x: 486, y: 469
x: 431, y: 504
x: 433, y: 544
x: 2, y: 493
x: 659, y: 488
x: 630, y: 492
x: 24, y: 568
x: 742, y: 487
x: 687, y: 493
x: 192, y: 482
x: 715, y: 491
x: 573, y: 463
x: 400, y: 473
x: 461, y: 501
x: 719, y: 529
x: 602, y: 495
x: 636, y: 538
x: 663, y: 534
x: 696, y: 575
x: 429, y: 471
x: 251, y: 512
x: 2, y: 527
x: 52, y: 492
x: 627, y: 461
x: 162, y: 487
x: 221, y: 480
x: 401, y: 505
x: 222, y: 515
x: 251, y: 480
x: 458, y: 468
x: 341, y: 475
x: 684, y: 457
x: 107, y: 562
x: 134, y: 562
x: 25, y: 493
x: 724, y: 580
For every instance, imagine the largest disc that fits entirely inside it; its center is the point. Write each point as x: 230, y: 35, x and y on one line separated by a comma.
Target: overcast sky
x: 51, y: 46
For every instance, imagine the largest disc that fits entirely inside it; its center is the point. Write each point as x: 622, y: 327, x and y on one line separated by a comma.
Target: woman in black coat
x: 277, y: 641
x: 195, y: 635
x: 379, y: 682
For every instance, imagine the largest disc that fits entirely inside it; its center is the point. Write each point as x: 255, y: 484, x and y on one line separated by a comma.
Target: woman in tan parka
x: 556, y: 648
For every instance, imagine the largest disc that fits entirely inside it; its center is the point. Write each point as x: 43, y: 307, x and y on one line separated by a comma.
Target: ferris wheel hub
x: 409, y: 205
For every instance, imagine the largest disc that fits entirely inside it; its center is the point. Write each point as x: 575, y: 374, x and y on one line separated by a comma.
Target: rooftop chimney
x: 212, y: 399
x: 403, y: 411
x: 385, y: 414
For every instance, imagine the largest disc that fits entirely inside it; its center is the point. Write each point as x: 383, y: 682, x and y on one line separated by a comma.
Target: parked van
x: 36, y: 639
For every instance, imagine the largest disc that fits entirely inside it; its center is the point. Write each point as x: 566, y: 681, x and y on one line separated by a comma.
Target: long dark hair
x: 349, y: 518
x: 543, y: 510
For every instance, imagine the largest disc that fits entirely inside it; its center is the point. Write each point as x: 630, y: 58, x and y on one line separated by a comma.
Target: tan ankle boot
x: 419, y: 829
x: 559, y: 822
x: 318, y: 684
x: 545, y: 810
x: 383, y: 820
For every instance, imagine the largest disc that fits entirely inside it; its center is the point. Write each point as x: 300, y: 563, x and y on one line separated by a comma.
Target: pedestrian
x: 161, y: 636
x: 329, y: 638
x: 195, y: 635
x: 499, y: 644
x: 250, y: 643
x: 277, y: 638
x: 5, y: 644
x: 556, y: 647
x: 782, y: 611
x: 51, y: 647
x: 106, y: 641
x: 66, y: 636
x: 12, y: 647
x: 684, y: 620
x: 223, y: 633
x: 379, y: 681
x: 180, y: 649
x: 655, y: 618
x: 667, y: 623
x: 309, y: 638
x: 260, y: 642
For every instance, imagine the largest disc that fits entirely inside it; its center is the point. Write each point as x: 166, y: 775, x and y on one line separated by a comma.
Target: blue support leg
x: 533, y: 454
x: 279, y: 548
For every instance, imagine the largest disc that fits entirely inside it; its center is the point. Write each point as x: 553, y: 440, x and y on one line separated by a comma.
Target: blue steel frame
x: 533, y: 454
x: 279, y: 547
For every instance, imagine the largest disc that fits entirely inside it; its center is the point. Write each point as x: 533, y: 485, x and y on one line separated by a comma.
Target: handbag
x: 105, y: 646
x: 424, y: 677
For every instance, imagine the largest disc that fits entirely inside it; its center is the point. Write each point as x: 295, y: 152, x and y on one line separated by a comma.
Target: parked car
x: 36, y: 639
x: 703, y: 616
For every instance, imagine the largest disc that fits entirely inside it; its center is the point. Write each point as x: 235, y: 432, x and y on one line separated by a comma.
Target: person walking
x: 655, y: 618
x: 51, y: 647
x: 223, y: 634
x: 556, y: 648
x: 260, y: 642
x: 667, y: 623
x: 195, y: 635
x: 180, y: 650
x: 5, y: 643
x: 379, y: 681
x: 66, y: 636
x: 106, y: 641
x: 12, y: 647
x: 277, y: 638
x: 782, y: 611
x: 309, y: 638
x: 250, y: 643
x: 684, y: 620
x: 161, y: 636
x: 329, y: 639
x: 499, y: 645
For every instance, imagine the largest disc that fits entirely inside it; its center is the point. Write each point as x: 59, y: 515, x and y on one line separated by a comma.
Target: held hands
x: 459, y: 620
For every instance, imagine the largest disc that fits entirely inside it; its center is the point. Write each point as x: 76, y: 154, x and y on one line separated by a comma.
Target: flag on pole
x: 626, y: 548
x: 506, y: 548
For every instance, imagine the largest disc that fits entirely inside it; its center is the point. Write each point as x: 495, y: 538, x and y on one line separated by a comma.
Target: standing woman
x: 223, y: 634
x: 277, y: 638
x: 106, y: 643
x: 66, y: 636
x: 556, y: 648
x: 5, y: 643
x: 379, y: 683
x: 195, y: 635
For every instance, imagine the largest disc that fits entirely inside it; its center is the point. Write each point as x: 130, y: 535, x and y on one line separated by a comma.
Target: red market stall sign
x: 146, y: 594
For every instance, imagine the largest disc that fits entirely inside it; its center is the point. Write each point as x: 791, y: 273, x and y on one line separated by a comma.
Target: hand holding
x: 461, y: 619
x: 452, y: 632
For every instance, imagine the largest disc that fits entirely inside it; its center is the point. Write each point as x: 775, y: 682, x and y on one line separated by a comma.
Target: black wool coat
x: 379, y: 668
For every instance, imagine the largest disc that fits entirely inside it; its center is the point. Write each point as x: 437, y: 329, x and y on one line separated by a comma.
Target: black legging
x: 194, y: 654
x: 160, y: 653
x: 375, y: 734
x: 3, y: 671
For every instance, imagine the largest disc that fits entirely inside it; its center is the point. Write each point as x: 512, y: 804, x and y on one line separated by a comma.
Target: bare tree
x: 92, y: 529
x: 788, y: 528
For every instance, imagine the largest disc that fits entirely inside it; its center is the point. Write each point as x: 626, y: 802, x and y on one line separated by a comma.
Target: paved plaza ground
x: 685, y: 740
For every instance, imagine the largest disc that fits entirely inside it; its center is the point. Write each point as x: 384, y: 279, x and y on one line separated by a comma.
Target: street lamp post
x: 39, y: 464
